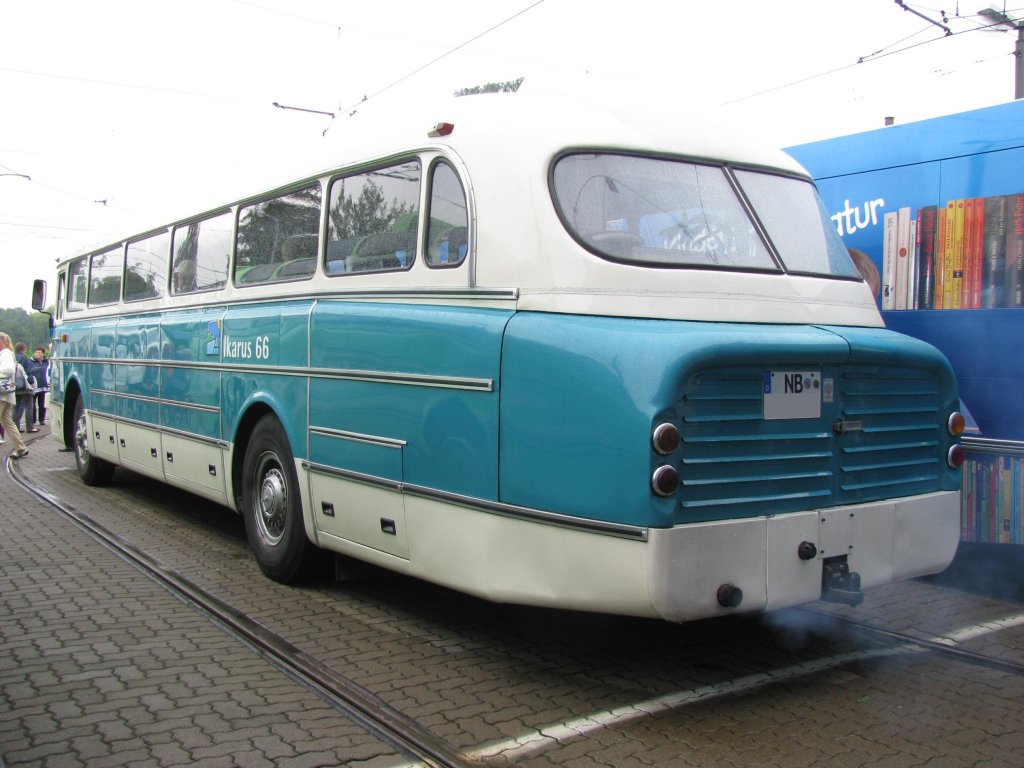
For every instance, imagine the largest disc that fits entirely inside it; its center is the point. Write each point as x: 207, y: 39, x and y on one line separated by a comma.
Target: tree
x: 263, y: 227
x: 32, y: 328
x: 368, y: 213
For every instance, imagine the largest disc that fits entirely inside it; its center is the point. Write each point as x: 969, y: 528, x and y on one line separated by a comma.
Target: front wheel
x: 92, y: 470
x: 271, y: 506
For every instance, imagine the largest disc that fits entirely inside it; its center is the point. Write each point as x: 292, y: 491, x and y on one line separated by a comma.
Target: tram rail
x: 937, y: 645
x: 345, y: 695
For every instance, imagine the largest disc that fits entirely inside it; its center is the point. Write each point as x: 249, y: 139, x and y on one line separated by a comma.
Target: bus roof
x: 532, y: 124
x: 504, y: 145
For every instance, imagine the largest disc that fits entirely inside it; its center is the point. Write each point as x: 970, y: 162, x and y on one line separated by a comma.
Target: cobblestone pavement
x: 99, y: 665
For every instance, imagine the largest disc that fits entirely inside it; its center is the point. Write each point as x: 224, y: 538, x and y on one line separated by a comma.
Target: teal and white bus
x: 548, y: 355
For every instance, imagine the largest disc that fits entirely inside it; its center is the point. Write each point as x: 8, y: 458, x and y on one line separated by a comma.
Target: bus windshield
x: 664, y: 212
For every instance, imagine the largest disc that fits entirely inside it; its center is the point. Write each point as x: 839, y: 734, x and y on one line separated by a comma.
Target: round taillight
x: 665, y: 480
x: 956, y: 424
x: 665, y: 438
x: 956, y: 456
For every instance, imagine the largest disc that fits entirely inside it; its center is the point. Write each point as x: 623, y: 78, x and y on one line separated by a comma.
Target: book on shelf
x: 1013, y: 285
x: 912, y: 267
x: 993, y: 274
x: 939, y: 292
x: 902, y: 257
x: 974, y: 223
x: 927, y: 222
x: 949, y: 257
x: 889, y: 222
x: 967, y: 242
x: 957, y: 279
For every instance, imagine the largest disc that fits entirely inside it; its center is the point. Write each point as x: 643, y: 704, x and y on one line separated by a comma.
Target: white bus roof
x: 504, y: 145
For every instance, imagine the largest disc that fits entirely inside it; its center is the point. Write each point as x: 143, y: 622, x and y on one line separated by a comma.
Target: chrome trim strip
x: 992, y: 445
x: 638, y: 533
x: 217, y: 299
x: 386, y: 442
x: 222, y: 444
x: 347, y: 474
x: 380, y: 377
x: 156, y: 401
x: 191, y: 406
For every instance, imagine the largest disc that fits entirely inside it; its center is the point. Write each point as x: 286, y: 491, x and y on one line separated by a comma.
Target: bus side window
x: 59, y: 305
x: 76, y: 281
x: 447, y: 237
x: 274, y: 232
x: 201, y: 251
x: 145, y: 267
x: 372, y: 218
x: 105, y: 276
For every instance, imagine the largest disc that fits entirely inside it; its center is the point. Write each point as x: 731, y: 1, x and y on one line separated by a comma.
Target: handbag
x: 7, y: 385
x: 20, y: 379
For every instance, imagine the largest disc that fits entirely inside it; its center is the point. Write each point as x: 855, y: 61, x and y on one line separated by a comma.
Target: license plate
x: 792, y: 394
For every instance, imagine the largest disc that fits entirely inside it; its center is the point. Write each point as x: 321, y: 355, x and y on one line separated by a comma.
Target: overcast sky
x: 129, y: 110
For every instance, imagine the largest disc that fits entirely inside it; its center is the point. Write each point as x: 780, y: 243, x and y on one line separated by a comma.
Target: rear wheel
x: 271, y: 506
x: 92, y: 470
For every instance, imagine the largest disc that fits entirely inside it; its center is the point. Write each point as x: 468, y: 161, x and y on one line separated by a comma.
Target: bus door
x: 192, y: 448
x: 136, y: 354
x: 100, y: 384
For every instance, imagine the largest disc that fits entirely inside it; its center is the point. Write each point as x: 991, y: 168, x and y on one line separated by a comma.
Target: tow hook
x: 838, y: 583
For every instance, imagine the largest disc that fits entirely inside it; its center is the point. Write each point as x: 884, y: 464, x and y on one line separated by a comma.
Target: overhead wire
x: 351, y: 109
x: 880, y: 54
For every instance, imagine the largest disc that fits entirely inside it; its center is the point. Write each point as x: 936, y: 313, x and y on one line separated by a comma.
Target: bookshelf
x: 872, y: 183
x: 991, y: 502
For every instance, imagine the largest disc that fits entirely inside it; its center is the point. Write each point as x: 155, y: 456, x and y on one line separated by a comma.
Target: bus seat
x: 261, y: 273
x: 385, y: 250
x: 338, y: 252
x: 449, y: 247
x: 296, y: 268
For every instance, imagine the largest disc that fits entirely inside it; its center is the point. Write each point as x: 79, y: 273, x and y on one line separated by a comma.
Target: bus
x: 587, y: 358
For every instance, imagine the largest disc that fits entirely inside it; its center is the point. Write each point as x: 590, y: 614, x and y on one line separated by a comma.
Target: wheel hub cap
x: 273, y: 501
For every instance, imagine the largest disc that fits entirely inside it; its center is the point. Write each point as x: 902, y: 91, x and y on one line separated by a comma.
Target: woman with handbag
x: 8, y: 366
x: 24, y: 391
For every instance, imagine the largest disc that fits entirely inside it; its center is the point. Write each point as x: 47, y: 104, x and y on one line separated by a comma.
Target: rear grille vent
x: 898, y: 452
x: 737, y: 464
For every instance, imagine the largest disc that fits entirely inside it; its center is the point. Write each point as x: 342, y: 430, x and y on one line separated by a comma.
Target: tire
x: 93, y: 470
x: 272, y: 507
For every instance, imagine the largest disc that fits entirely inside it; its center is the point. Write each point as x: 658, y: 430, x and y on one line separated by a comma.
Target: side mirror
x: 39, y: 295
x: 39, y: 300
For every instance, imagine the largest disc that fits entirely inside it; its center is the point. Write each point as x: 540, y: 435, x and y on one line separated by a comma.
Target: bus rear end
x: 766, y: 465
x: 718, y: 383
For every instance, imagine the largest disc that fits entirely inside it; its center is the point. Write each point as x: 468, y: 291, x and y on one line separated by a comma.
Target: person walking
x: 25, y: 393
x: 39, y: 369
x: 8, y: 367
